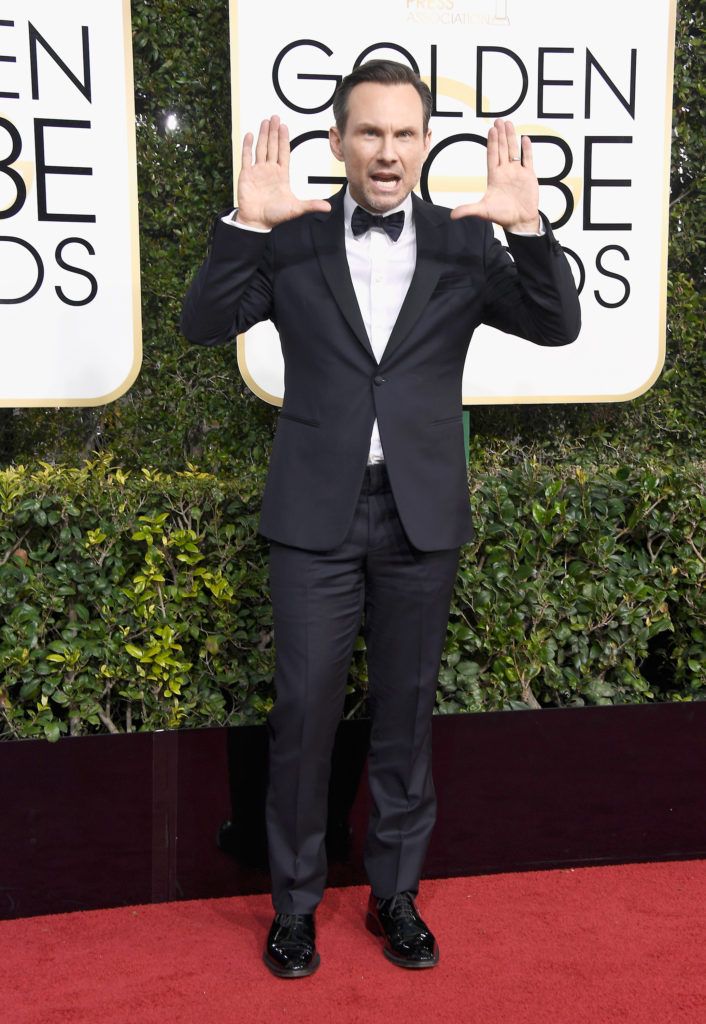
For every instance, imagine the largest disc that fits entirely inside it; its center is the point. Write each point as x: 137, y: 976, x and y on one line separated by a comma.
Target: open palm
x: 512, y: 196
x: 265, y: 198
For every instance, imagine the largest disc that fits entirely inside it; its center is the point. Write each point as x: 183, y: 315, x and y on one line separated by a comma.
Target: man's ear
x: 334, y: 141
x: 427, y: 142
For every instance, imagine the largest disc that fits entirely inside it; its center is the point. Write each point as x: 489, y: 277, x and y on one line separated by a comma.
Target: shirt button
x: 380, y: 380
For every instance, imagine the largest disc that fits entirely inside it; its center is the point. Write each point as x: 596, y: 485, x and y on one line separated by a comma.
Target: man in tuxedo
x: 375, y: 295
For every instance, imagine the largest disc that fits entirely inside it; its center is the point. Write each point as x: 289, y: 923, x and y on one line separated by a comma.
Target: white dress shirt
x: 381, y: 271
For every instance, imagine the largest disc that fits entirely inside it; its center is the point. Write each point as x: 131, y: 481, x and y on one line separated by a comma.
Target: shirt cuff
x: 530, y: 234
x: 228, y: 219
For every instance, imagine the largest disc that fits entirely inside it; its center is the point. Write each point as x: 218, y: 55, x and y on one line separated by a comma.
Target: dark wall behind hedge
x: 191, y: 406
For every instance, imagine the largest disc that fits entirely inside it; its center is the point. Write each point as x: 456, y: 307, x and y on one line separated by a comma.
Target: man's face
x: 384, y: 145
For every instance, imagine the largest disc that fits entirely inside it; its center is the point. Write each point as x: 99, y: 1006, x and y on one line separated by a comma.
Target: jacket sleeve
x: 232, y: 289
x: 532, y: 295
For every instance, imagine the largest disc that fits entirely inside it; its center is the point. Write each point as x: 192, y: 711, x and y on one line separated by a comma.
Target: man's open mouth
x: 386, y: 181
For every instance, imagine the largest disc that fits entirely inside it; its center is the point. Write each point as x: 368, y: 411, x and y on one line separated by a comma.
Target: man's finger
x: 247, y: 150
x: 511, y: 138
x: 315, y: 206
x: 284, y: 147
x: 527, y: 160
x: 501, y: 128
x: 469, y: 210
x: 493, y: 159
x: 261, y: 147
x: 273, y: 140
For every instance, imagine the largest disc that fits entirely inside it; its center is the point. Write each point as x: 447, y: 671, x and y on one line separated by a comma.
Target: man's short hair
x: 385, y: 72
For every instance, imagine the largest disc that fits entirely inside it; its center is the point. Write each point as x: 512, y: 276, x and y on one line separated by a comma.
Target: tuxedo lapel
x: 330, y: 246
x: 427, y: 225
x: 329, y: 243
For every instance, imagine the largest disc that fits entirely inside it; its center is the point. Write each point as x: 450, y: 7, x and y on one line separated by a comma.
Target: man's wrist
x: 526, y: 227
x: 237, y: 219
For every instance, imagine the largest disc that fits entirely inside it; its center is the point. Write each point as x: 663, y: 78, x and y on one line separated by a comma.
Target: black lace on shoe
x: 401, y: 907
x: 290, y: 920
x: 295, y: 922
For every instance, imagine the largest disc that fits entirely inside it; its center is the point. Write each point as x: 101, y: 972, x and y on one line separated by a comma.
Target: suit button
x: 379, y: 380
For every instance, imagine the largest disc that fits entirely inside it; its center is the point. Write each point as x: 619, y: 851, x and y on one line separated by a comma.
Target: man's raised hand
x: 264, y: 195
x: 512, y: 197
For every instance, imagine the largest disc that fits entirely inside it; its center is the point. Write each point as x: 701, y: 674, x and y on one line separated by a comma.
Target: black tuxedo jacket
x: 298, y: 277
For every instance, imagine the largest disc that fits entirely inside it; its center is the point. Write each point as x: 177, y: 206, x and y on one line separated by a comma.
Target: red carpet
x: 583, y: 946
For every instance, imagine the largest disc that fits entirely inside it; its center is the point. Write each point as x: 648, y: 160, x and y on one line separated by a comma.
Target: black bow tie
x: 362, y: 221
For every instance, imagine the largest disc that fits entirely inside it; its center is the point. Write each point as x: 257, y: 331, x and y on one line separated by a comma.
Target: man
x: 375, y: 295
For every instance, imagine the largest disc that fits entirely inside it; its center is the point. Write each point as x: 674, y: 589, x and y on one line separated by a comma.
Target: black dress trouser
x: 318, y: 599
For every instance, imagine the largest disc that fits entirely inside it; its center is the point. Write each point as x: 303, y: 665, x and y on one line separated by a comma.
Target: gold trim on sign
x: 129, y: 379
x: 250, y: 380
x: 234, y: 94
x: 236, y: 144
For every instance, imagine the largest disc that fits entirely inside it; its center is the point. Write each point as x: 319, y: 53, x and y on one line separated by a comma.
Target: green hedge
x: 136, y: 601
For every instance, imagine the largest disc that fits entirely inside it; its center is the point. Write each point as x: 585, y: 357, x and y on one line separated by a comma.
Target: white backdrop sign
x: 590, y: 83
x: 69, y: 258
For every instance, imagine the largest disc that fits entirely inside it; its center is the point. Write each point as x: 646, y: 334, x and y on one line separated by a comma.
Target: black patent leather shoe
x: 291, y: 946
x: 408, y: 941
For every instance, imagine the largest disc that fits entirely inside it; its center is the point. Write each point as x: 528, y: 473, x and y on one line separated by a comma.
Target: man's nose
x: 388, y: 152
